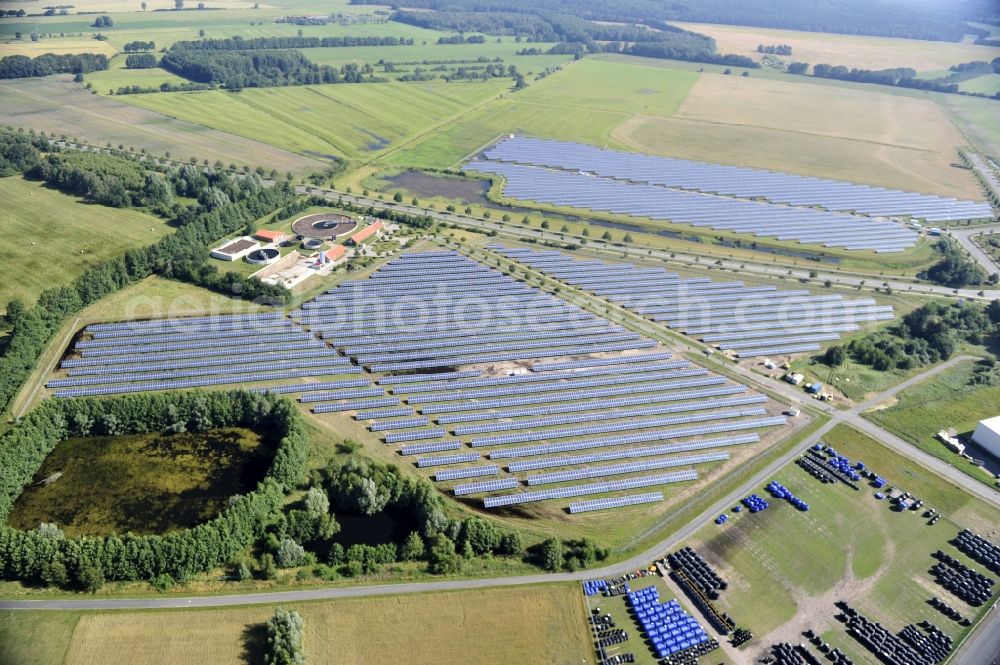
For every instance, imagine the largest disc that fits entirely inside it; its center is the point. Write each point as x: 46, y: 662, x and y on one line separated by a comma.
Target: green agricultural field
x: 99, y: 120
x: 787, y: 568
x: 354, y: 121
x: 543, y: 624
x: 988, y: 84
x: 976, y: 117
x: 943, y: 402
x: 112, y: 79
x: 147, y: 483
x: 584, y: 102
x: 53, y: 237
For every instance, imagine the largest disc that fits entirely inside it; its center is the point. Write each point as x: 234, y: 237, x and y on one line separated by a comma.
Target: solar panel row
x: 593, y: 488
x: 631, y: 453
x: 617, y: 502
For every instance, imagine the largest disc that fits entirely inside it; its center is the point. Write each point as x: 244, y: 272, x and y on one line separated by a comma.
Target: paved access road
x: 964, y: 238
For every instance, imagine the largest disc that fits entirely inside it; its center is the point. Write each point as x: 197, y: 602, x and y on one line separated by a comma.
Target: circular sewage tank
x: 324, y: 226
x: 263, y: 257
x: 312, y: 243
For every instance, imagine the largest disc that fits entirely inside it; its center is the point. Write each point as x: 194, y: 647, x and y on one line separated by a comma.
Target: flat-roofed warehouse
x: 987, y: 435
x: 236, y: 249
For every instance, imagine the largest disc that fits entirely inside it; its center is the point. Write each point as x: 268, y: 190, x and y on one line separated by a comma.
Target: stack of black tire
x: 949, y: 611
x: 691, y: 655
x: 619, y: 659
x: 934, y: 644
x: 608, y: 638
x: 971, y: 586
x: 785, y: 654
x: 698, y: 571
x: 886, y: 646
x: 815, y: 470
x: 979, y: 549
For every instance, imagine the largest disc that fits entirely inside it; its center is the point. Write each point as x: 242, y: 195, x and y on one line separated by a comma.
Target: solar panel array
x: 734, y: 181
x: 748, y: 321
x: 204, y: 351
x: 469, y: 351
x: 766, y: 220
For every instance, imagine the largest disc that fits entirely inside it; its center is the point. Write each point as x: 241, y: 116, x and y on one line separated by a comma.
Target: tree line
x: 21, y: 66
x: 774, y: 49
x: 928, y: 334
x: 238, y: 43
x: 234, y: 70
x: 903, y: 77
x: 45, y: 555
x: 139, y: 47
x: 459, y: 39
x: 854, y: 17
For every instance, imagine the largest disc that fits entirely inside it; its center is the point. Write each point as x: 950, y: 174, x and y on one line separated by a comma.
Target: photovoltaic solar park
x: 504, y: 394
x: 743, y: 320
x: 769, y: 204
x: 511, y: 396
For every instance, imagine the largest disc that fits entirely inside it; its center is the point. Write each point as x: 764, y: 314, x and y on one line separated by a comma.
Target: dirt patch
x: 429, y: 186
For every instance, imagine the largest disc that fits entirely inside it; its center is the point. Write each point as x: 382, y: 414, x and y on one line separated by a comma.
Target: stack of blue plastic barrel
x: 594, y: 587
x: 668, y: 627
x: 843, y: 465
x: 779, y: 491
x: 754, y: 503
x: 722, y: 519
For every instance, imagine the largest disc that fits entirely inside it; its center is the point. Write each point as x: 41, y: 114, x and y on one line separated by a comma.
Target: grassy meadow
x: 143, y: 483
x: 54, y: 237
x: 943, y: 402
x: 847, y: 546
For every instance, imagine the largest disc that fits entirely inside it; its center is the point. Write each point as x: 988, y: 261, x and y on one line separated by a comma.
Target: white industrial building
x: 987, y: 435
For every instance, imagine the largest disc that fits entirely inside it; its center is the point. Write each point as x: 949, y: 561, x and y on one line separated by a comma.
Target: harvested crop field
x: 98, y: 120
x: 812, y: 129
x: 847, y: 50
x: 530, y: 625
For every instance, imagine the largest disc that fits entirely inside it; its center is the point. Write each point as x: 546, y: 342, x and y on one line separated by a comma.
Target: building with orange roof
x: 335, y: 253
x: 375, y: 228
x: 270, y: 236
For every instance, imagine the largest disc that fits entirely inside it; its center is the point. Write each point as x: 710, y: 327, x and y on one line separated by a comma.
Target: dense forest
x: 921, y: 19
x: 21, y: 66
x: 651, y: 39
x: 956, y: 269
x: 927, y: 335
x: 238, y: 43
x: 141, y: 61
x: 256, y: 69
